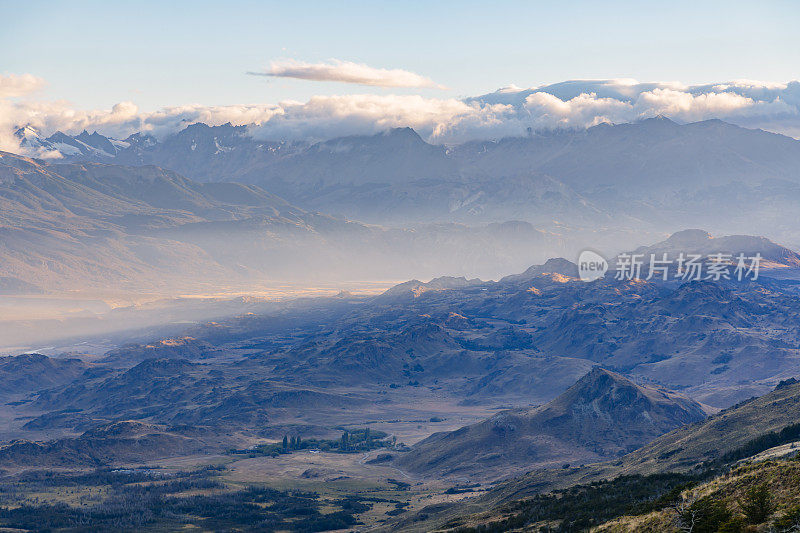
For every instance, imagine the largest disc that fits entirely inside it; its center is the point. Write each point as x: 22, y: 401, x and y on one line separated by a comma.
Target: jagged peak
x: 26, y: 130
x: 58, y: 136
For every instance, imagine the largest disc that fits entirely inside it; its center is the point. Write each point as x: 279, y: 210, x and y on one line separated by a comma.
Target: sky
x: 92, y: 55
x: 97, y: 53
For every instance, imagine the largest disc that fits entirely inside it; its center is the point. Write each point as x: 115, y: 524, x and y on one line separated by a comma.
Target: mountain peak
x: 658, y: 120
x: 689, y: 237
x: 26, y: 130
x: 555, y: 265
x: 402, y: 133
x: 197, y: 126
x: 604, y: 385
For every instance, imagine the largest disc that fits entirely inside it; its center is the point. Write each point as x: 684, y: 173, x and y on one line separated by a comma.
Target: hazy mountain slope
x: 601, y: 416
x: 91, y: 225
x: 95, y: 224
x: 776, y: 260
x: 177, y: 391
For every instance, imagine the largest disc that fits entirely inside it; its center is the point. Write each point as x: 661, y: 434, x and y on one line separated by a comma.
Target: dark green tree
x: 757, y: 504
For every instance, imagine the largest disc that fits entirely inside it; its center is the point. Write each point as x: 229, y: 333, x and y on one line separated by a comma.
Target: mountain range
x: 654, y: 174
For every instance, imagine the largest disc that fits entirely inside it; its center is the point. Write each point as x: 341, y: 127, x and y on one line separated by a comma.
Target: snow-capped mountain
x: 92, y: 146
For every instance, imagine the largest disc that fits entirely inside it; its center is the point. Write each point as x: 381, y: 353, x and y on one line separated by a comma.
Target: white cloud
x: 14, y: 85
x: 508, y: 112
x: 347, y: 72
x: 583, y: 103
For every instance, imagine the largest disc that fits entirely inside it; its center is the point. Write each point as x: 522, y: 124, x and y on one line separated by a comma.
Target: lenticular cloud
x: 511, y: 111
x: 347, y: 72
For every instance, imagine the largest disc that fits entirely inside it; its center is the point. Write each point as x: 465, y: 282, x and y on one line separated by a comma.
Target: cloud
x: 588, y: 109
x: 347, y: 72
x: 14, y: 85
x: 511, y: 111
x: 584, y: 103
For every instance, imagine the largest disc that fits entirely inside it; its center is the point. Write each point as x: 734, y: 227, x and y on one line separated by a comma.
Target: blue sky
x: 156, y: 54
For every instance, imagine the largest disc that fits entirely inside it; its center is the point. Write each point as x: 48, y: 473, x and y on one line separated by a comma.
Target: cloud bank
x: 511, y: 111
x: 347, y: 72
x: 582, y: 103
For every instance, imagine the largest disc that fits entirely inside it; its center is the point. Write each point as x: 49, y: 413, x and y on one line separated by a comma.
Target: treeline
x: 354, y: 441
x: 755, y: 446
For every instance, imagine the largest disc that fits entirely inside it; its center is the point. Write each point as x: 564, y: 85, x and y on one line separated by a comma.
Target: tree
x: 704, y: 515
x: 757, y: 504
x: 285, y: 442
x: 732, y: 525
